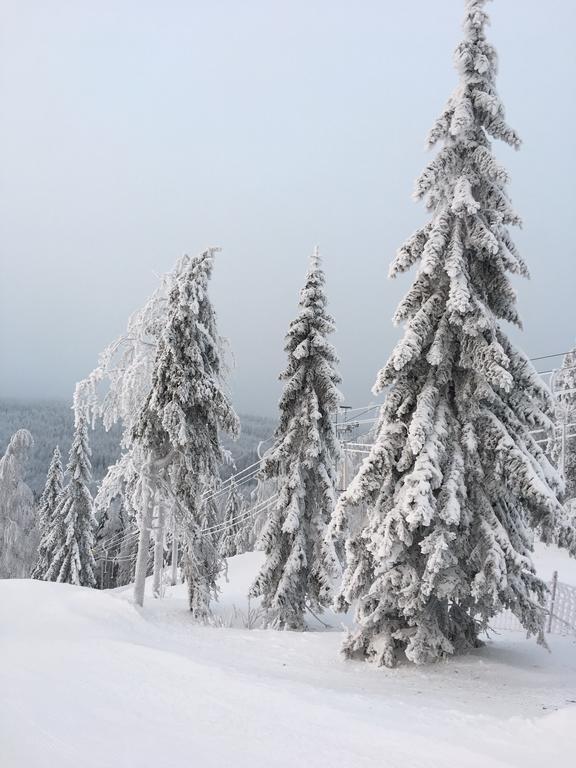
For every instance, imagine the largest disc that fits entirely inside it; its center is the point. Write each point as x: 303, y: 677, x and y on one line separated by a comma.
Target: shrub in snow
x: 302, y: 462
x: 455, y: 485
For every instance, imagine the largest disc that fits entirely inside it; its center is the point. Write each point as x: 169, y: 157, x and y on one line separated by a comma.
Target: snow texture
x: 87, y: 679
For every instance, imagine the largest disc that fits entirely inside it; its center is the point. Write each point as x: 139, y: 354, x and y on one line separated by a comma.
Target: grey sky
x: 135, y: 130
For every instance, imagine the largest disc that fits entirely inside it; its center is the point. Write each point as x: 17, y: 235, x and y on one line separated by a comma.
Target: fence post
x: 552, y: 600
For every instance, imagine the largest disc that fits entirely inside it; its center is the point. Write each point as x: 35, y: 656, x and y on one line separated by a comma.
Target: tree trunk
x: 143, y: 541
x: 159, y: 552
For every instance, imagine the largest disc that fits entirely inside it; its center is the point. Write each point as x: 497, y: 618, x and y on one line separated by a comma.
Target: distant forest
x: 51, y: 423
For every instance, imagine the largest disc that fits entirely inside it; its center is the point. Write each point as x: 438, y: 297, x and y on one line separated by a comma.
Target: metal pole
x: 159, y: 551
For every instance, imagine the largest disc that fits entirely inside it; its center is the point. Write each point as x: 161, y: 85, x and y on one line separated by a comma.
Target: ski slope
x: 86, y: 679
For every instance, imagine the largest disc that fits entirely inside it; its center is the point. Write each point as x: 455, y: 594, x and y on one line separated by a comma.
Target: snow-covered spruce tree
x: 18, y: 531
x: 303, y: 462
x: 455, y: 484
x: 46, y: 509
x: 564, y: 444
x: 233, y: 533
x: 115, y: 391
x: 73, y: 522
x: 179, y: 425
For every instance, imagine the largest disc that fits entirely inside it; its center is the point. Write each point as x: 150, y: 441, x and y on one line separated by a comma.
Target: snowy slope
x: 550, y: 559
x: 88, y: 680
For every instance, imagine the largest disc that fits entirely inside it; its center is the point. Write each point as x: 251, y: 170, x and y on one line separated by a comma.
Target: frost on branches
x: 18, y: 533
x: 179, y: 424
x: 115, y: 391
x: 73, y: 522
x: 455, y: 484
x: 564, y: 443
x: 297, y: 567
x: 116, y: 539
x: 46, y: 510
x: 234, y: 533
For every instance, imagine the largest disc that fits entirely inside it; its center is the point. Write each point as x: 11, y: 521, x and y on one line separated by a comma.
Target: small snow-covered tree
x: 179, y: 425
x: 73, y: 522
x: 46, y: 510
x: 564, y: 444
x: 18, y: 532
x: 232, y: 538
x: 455, y: 484
x: 296, y: 569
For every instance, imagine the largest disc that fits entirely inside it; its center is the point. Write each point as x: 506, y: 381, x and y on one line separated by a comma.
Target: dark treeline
x: 51, y: 423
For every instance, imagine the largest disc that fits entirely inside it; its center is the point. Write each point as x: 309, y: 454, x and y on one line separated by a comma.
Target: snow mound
x: 87, y: 679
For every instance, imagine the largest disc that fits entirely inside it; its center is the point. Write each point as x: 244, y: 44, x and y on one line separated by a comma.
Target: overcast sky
x: 133, y: 131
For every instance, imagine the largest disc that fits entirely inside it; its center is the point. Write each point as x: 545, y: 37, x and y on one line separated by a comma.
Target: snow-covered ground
x: 88, y: 680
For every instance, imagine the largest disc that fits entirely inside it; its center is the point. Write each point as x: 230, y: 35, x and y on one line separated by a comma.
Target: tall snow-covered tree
x: 18, y: 531
x: 234, y: 527
x: 303, y: 462
x: 179, y: 426
x: 46, y: 510
x: 455, y: 484
x: 115, y: 392
x: 73, y: 521
x: 564, y: 444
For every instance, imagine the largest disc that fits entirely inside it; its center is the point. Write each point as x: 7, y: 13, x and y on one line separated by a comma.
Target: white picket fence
x: 561, y: 619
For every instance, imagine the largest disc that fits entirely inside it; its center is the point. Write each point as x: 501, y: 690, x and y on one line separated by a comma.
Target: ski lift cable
x: 118, y: 538
x: 547, y: 357
x: 241, y: 518
x: 224, y: 489
x: 107, y: 544
x: 252, y: 512
x: 559, y: 370
x: 244, y: 513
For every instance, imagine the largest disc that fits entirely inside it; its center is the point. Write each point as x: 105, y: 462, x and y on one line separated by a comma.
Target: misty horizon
x: 140, y: 133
